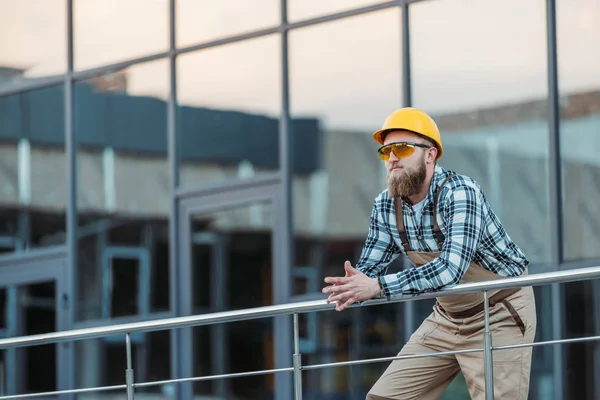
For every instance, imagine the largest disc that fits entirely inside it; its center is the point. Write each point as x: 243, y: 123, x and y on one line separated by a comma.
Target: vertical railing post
x: 297, y: 362
x: 129, y: 370
x: 487, y: 351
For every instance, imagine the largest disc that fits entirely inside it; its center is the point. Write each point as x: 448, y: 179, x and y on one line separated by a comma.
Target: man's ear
x: 432, y: 154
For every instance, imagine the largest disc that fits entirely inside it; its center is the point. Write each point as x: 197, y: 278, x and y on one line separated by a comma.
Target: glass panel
x: 347, y: 102
x: 578, y: 25
x: 228, y: 111
x: 123, y: 192
x: 231, y: 269
x: 355, y: 334
x: 29, y: 309
x: 542, y: 367
x: 104, y: 31
x: 490, y: 106
x: 33, y: 44
x: 39, y: 316
x: 347, y: 85
x: 203, y: 21
x: 33, y: 173
x: 102, y: 362
x: 581, y: 319
x: 305, y: 9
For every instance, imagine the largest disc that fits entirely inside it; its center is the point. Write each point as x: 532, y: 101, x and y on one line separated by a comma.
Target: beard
x: 407, y: 182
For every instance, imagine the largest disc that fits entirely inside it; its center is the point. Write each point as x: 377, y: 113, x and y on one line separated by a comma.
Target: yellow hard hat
x: 413, y: 120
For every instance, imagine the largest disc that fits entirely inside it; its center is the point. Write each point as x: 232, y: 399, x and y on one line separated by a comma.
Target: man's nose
x: 393, y: 157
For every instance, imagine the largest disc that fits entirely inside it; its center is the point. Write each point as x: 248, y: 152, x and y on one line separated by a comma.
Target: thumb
x: 350, y: 270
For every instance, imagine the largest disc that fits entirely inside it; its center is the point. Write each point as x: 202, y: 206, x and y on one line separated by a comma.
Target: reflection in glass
x: 102, y: 362
x: 542, y: 374
x: 33, y: 44
x: 491, y: 108
x: 28, y: 309
x: 340, y: 76
x: 581, y: 320
x: 33, y: 174
x: 203, y: 21
x: 110, y: 31
x: 228, y: 114
x: 578, y: 25
x: 232, y: 269
x: 349, y: 100
x: 351, y: 335
x: 123, y: 192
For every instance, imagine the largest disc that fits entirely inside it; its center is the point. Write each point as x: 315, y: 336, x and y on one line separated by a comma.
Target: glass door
x: 231, y: 252
x: 30, y: 304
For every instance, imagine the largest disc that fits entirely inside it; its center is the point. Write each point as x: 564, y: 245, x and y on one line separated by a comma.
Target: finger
x: 335, y: 289
x: 334, y: 298
x: 341, y: 306
x: 346, y: 269
x: 337, y: 280
x: 350, y: 270
x: 339, y: 298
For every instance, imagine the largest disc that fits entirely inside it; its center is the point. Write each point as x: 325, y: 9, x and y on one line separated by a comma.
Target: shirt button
x: 419, y: 237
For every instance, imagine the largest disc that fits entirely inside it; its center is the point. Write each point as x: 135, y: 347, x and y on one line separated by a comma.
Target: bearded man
x: 444, y: 224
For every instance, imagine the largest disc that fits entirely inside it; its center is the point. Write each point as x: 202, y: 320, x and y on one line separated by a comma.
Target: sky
x: 466, y: 54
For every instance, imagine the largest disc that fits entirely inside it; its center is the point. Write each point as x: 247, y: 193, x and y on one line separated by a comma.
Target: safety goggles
x: 400, y: 149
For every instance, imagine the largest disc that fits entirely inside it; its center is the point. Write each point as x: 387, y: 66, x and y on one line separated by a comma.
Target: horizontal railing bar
x: 306, y: 367
x: 547, y: 342
x: 289, y: 308
x: 70, y: 391
x: 213, y: 377
x: 382, y: 359
x: 444, y: 353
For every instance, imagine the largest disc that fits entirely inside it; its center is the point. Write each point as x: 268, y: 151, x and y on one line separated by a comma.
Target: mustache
x: 393, y: 165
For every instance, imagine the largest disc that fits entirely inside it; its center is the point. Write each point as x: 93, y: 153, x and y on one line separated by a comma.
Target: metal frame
x: 35, y: 268
x: 77, y: 75
x: 555, y: 184
x: 285, y: 210
x: 204, y: 201
x: 186, y: 323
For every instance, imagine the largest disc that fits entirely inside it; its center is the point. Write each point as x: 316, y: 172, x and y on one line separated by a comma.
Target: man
x: 444, y: 224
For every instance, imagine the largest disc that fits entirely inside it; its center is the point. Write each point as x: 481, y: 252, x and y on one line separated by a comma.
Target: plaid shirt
x: 472, y: 231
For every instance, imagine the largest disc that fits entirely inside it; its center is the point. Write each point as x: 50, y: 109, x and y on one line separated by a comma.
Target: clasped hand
x: 353, y: 287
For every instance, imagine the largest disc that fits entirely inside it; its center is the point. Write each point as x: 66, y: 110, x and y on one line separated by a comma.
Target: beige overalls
x: 457, y: 323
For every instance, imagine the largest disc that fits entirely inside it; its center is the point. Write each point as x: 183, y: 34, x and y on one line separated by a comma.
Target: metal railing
x: 547, y: 278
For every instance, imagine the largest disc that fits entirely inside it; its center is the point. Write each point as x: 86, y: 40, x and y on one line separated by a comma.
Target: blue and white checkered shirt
x: 472, y: 230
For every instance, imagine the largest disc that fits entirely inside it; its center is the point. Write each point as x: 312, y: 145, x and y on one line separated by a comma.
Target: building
x: 156, y: 161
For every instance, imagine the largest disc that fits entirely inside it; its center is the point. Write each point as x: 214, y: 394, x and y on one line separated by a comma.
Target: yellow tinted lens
x: 402, y: 150
x: 384, y: 153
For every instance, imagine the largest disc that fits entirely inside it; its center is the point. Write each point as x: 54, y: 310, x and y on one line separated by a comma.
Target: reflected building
x: 238, y: 170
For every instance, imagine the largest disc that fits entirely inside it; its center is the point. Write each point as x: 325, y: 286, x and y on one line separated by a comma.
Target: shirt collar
x: 439, y: 174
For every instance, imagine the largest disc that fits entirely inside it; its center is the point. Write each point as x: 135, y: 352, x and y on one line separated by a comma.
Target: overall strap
x: 400, y: 224
x: 439, y: 236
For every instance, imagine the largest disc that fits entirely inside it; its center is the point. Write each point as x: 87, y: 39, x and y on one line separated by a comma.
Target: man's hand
x: 355, y: 286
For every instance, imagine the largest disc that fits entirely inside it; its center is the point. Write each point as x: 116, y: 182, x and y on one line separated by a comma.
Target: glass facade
x: 166, y: 158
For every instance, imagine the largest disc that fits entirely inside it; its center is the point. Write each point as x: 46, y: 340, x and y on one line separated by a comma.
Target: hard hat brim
x: 378, y: 136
